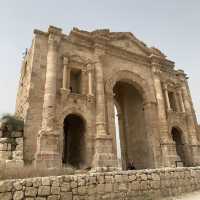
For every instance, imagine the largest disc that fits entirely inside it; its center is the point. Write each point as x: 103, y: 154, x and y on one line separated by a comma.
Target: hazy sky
x: 172, y: 26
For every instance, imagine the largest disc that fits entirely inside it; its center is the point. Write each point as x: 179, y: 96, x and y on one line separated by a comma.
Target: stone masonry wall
x: 141, y: 184
x: 11, y: 149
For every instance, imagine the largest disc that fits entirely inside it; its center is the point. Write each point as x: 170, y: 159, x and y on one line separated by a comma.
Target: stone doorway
x: 133, y: 140
x: 177, y: 138
x: 74, y: 141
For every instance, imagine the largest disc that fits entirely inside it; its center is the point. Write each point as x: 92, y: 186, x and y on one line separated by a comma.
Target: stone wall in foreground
x: 142, y: 184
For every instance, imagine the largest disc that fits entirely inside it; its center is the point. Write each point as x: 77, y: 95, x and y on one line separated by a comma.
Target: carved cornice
x: 100, y: 39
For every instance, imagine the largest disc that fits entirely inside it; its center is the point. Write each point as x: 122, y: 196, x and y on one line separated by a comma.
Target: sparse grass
x: 30, y: 172
x: 12, y: 123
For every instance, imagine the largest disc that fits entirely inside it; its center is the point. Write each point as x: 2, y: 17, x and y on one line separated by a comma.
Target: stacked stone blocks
x: 141, y: 184
x: 11, y: 149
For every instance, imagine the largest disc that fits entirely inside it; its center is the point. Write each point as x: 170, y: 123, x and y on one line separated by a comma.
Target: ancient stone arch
x: 137, y: 82
x: 93, y: 63
x: 135, y: 79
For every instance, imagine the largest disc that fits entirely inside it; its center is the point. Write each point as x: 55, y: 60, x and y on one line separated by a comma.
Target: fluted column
x: 100, y: 100
x: 167, y: 97
x: 90, y: 85
x: 47, y: 154
x: 103, y: 156
x: 163, y: 126
x: 64, y: 83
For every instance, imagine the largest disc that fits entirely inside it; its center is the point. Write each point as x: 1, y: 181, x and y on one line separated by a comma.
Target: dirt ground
x: 190, y: 196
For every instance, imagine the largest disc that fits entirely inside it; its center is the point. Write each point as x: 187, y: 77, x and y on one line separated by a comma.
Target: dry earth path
x: 190, y: 196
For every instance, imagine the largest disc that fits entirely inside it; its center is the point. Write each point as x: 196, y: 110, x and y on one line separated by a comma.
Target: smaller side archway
x: 74, y: 141
x: 177, y: 137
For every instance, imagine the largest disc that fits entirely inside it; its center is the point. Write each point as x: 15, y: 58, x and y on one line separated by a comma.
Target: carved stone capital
x: 65, y: 60
x: 156, y: 70
x: 54, y: 40
x: 90, y: 67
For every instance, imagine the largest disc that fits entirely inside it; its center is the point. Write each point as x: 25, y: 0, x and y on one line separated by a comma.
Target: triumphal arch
x: 72, y: 85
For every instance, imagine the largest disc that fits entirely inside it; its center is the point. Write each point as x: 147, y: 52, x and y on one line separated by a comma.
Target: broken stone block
x: 19, y: 147
x: 19, y: 141
x: 18, y: 195
x: 17, y: 155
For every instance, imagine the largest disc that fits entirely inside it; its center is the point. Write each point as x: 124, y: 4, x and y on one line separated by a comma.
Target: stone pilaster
x: 104, y: 156
x: 163, y: 126
x: 47, y: 154
x: 90, y: 84
x: 194, y: 143
x: 167, y: 97
x: 181, y: 101
x: 65, y: 64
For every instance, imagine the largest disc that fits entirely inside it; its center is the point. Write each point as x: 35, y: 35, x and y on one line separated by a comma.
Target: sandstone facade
x: 68, y: 89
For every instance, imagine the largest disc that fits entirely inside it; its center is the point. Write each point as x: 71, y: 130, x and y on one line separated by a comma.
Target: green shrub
x: 12, y: 123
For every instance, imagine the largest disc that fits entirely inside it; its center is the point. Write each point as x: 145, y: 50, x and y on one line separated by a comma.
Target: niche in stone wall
x: 75, y: 81
x: 172, y: 101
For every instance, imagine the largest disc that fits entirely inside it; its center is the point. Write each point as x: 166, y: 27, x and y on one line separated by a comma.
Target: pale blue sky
x: 172, y: 26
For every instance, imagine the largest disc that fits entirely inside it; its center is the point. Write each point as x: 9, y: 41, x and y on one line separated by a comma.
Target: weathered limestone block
x: 44, y: 191
x: 46, y: 181
x: 82, y: 190
x: 53, y: 197
x: 29, y: 182
x: 55, y: 182
x: 100, y: 188
x: 108, y: 187
x: 19, y: 147
x: 40, y: 198
x: 6, y: 186
x: 19, y: 141
x: 37, y: 182
x: 6, y: 196
x: 4, y: 146
x: 17, y: 186
x: 55, y: 190
x: 65, y: 187
x: 14, y: 164
x: 30, y: 192
x: 17, y: 155
x: 66, y: 195
x: 5, y: 155
x: 18, y: 195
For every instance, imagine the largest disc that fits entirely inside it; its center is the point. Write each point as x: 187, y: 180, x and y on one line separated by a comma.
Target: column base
x: 104, y: 158
x: 47, y: 155
x: 195, y: 149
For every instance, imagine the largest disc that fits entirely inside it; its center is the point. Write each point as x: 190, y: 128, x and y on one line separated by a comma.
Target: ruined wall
x: 11, y: 149
x: 138, y: 185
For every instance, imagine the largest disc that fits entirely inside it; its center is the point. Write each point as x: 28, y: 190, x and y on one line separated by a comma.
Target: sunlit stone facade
x: 69, y: 86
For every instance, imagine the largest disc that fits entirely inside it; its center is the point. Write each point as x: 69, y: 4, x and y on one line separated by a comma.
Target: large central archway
x: 74, y: 141
x: 132, y: 128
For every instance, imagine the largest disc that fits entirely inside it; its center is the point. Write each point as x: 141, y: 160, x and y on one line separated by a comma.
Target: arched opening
x: 131, y: 127
x: 74, y: 143
x: 177, y: 138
